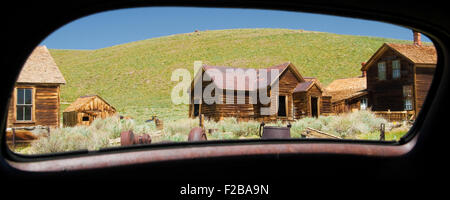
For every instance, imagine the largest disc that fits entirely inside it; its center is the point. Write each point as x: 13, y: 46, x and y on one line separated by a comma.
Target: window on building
x: 407, y: 91
x: 396, y: 69
x: 363, y: 104
x: 408, y: 95
x: 382, y: 71
x: 408, y: 104
x: 24, y: 104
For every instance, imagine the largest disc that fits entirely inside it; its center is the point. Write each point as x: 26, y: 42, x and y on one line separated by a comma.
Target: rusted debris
x: 197, y: 134
x: 158, y: 123
x: 313, y: 133
x: 212, y: 130
x: 382, y: 130
x: 125, y: 117
x: 273, y: 132
x: 128, y: 138
x: 26, y: 134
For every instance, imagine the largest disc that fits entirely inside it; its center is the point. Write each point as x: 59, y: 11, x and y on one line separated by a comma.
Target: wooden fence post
x: 382, y: 129
x: 389, y: 114
x: 202, y: 121
x: 14, y: 137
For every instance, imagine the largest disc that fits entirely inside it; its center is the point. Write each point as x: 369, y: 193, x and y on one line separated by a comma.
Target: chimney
x: 364, y: 72
x: 417, y: 41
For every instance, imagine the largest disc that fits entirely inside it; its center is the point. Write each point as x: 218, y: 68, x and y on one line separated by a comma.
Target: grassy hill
x: 135, y: 77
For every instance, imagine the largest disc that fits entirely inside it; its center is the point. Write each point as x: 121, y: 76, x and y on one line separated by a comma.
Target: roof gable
x: 80, y: 102
x: 345, y: 88
x: 424, y: 54
x: 249, y: 86
x: 304, y: 86
x: 40, y: 68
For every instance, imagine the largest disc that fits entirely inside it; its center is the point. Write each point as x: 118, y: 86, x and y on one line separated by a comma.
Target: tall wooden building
x: 399, y: 76
x: 297, y: 96
x: 36, y: 96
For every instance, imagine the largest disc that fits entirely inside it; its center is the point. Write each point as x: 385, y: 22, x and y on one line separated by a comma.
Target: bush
x: 91, y: 137
x: 358, y: 124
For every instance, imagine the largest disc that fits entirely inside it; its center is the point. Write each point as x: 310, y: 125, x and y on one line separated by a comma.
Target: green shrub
x: 355, y: 125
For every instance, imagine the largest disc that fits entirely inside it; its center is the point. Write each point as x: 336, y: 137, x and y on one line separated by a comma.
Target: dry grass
x: 355, y: 125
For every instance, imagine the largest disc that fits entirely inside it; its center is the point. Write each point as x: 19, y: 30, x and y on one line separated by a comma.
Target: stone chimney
x: 417, y: 40
x: 364, y: 73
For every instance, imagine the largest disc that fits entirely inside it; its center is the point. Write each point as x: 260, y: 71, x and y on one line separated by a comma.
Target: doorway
x: 196, y: 110
x: 282, y: 106
x: 314, y: 107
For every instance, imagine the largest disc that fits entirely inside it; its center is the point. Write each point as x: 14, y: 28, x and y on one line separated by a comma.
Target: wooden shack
x: 297, y: 96
x: 399, y: 76
x: 85, y: 109
x: 35, y: 100
x: 347, y: 94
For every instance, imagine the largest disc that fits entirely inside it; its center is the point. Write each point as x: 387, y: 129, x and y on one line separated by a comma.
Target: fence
x: 393, y: 116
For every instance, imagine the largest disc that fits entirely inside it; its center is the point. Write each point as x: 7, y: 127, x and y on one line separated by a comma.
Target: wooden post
x: 201, y: 121
x: 382, y: 129
x: 389, y: 114
x: 14, y: 137
x: 48, y: 131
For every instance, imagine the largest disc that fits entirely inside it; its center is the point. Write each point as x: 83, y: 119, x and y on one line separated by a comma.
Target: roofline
x: 383, y: 48
x: 289, y: 65
x: 309, y: 87
x: 90, y: 95
x: 40, y: 83
x: 353, y: 96
x: 372, y: 58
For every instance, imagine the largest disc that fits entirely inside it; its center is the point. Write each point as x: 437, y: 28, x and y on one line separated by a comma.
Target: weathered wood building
x: 296, y: 97
x: 347, y: 94
x: 85, y: 109
x: 399, y: 76
x: 35, y: 100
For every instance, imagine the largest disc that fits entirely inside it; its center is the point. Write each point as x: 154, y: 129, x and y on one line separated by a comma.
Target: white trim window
x: 24, y: 104
x: 363, y: 104
x: 396, y: 67
x: 408, y: 97
x: 408, y: 104
x: 382, y: 71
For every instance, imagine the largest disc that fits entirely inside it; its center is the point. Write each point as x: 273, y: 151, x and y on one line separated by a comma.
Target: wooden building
x: 35, y: 100
x: 85, y: 109
x: 399, y: 76
x: 347, y: 94
x: 297, y: 96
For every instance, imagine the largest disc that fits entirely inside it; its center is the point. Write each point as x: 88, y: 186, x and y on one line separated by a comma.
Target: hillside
x: 135, y: 77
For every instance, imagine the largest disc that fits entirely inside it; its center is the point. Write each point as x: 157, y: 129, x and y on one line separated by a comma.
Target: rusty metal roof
x: 303, y: 86
x: 263, y: 77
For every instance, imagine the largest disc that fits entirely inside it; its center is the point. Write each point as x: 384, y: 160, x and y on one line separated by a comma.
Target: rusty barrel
x: 272, y: 132
x: 128, y: 138
x: 197, y: 134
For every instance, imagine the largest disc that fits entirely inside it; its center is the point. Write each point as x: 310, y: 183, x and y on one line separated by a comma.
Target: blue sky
x: 121, y: 26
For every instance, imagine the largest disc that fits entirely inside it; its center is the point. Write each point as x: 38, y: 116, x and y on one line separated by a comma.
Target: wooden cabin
x: 35, y: 100
x: 399, y: 76
x: 297, y: 96
x: 347, y: 94
x: 85, y: 109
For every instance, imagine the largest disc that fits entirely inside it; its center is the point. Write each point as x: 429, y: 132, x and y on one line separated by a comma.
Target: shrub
x: 358, y: 124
